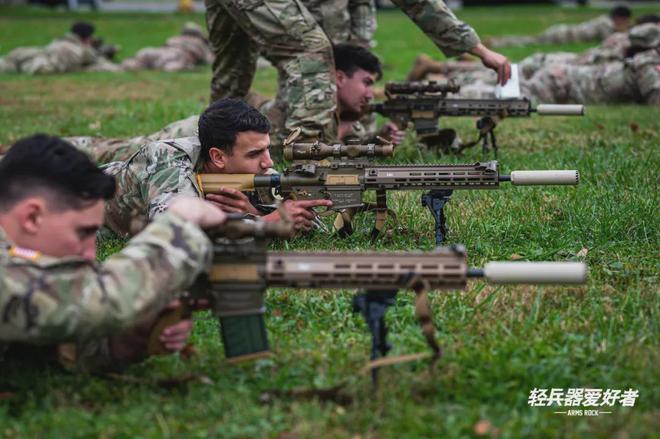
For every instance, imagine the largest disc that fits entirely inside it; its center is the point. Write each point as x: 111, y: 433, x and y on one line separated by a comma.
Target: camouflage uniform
x: 149, y: 180
x: 103, y: 150
x: 66, y: 54
x: 291, y: 38
x: 45, y: 300
x: 181, y: 52
x: 574, y: 78
x: 345, y: 21
x: 596, y: 29
x: 634, y: 80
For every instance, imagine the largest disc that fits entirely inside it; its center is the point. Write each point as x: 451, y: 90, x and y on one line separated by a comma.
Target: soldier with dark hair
x: 94, y: 316
x: 233, y: 139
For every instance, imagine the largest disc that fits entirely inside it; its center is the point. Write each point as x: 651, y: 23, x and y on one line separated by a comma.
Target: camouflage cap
x: 645, y: 35
x: 193, y: 29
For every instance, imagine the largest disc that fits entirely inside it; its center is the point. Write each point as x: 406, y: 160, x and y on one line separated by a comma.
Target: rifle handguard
x: 550, y: 177
x: 560, y: 110
x: 535, y: 272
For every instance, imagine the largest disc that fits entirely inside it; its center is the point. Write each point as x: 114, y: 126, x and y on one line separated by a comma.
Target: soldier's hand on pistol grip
x: 175, y: 337
x: 300, y: 212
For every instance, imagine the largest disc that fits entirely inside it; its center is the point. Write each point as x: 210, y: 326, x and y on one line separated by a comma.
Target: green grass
x: 499, y: 342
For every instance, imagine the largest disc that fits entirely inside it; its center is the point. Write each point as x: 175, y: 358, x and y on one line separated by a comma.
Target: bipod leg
x: 435, y: 200
x: 493, y: 142
x: 373, y: 304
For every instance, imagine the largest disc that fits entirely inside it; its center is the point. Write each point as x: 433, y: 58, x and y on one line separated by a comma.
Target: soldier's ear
x: 30, y: 213
x: 218, y: 157
x: 341, y: 76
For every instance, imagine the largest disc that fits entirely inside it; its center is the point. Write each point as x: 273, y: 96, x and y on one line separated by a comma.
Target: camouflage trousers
x: 288, y: 36
x: 632, y: 81
x: 103, y: 150
x: 166, y: 59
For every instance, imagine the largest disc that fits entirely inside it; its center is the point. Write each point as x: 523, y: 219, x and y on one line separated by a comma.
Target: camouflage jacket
x: 53, y: 300
x: 345, y: 20
x: 151, y: 178
x: 148, y: 180
x: 440, y: 24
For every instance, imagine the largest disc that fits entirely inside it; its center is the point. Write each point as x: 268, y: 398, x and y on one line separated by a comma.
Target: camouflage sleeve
x: 363, y: 21
x: 168, y: 184
x: 440, y: 24
x: 46, y: 300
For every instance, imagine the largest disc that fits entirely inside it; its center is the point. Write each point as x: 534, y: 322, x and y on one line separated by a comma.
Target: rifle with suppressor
x: 344, y: 183
x: 423, y: 103
x: 243, y: 269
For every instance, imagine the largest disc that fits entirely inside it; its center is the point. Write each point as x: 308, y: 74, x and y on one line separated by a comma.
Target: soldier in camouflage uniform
x: 233, y: 138
x: 636, y: 79
x: 357, y: 70
x: 594, y: 30
x: 51, y: 289
x: 288, y: 35
x: 622, y: 70
x: 182, y: 52
x: 73, y: 52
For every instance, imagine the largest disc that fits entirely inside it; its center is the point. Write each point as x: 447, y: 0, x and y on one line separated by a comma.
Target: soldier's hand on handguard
x: 494, y: 61
x: 204, y: 214
x: 391, y: 132
x: 232, y: 201
x: 300, y: 212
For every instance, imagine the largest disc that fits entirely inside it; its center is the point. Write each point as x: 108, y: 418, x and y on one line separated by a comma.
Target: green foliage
x: 499, y: 342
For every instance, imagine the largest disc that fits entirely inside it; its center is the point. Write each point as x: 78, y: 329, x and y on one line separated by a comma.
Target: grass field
x: 499, y: 342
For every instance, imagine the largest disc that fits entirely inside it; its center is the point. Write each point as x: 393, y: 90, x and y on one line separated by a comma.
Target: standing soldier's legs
x: 235, y: 52
x: 287, y: 34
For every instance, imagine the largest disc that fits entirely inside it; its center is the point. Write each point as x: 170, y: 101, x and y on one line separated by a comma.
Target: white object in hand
x: 511, y: 89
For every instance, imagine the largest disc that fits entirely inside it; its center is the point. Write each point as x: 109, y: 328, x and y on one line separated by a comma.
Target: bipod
x: 373, y: 304
x: 435, y: 200
x: 486, y: 126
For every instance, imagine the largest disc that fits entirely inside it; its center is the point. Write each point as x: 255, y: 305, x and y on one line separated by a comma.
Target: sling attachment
x: 373, y: 304
x: 486, y: 126
x: 425, y: 317
x: 343, y: 221
x: 381, y: 213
